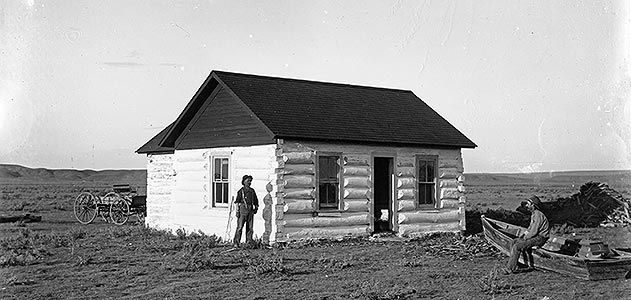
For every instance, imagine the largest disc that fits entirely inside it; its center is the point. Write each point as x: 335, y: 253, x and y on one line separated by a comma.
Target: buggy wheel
x: 106, y: 205
x: 119, y: 211
x: 85, y: 208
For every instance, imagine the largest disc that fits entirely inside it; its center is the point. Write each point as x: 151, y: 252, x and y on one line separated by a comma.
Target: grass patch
x: 271, y: 265
x: 494, y: 283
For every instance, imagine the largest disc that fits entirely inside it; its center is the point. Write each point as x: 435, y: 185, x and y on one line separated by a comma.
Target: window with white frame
x: 220, y: 181
x: 328, y: 181
x: 426, y: 175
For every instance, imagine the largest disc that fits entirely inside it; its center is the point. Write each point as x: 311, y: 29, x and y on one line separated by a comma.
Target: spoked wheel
x: 106, y: 205
x: 85, y: 208
x: 119, y: 211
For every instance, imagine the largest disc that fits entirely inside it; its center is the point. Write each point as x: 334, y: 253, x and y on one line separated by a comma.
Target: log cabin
x: 329, y: 161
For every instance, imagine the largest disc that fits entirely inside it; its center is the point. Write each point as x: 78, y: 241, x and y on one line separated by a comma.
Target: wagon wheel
x: 85, y: 208
x: 106, y: 205
x: 119, y: 211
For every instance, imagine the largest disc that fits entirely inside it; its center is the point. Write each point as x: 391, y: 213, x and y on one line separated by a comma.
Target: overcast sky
x: 538, y: 86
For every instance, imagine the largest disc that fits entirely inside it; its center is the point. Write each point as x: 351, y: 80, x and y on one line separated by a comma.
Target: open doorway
x: 383, y: 170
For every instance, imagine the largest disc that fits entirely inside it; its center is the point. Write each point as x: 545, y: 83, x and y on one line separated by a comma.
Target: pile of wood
x: 27, y: 218
x: 595, y: 205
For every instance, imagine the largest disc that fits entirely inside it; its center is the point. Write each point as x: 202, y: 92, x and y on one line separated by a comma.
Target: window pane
x: 429, y: 196
x: 422, y: 171
x: 430, y: 171
x: 322, y: 164
x: 224, y: 168
x: 328, y: 174
x: 421, y: 194
x: 225, y: 192
x: 332, y: 194
x: 218, y: 193
x: 322, y: 194
x: 426, y: 193
x: 217, y: 174
x: 328, y: 195
x: 334, y: 168
x: 328, y: 167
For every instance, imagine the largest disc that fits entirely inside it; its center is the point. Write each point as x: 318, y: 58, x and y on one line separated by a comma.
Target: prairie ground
x: 59, y: 258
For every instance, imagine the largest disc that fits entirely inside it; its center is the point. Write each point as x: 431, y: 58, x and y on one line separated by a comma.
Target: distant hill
x: 614, y: 177
x: 20, y: 173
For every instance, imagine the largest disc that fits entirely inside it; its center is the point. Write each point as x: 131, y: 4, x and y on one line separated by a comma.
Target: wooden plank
x: 297, y: 181
x: 448, y: 173
x: 298, y: 206
x: 449, y: 193
x: 406, y: 194
x: 356, y: 182
x: 297, y: 169
x: 449, y: 163
x: 351, y: 170
x: 298, y: 193
x: 406, y: 205
x: 449, y: 183
x: 449, y: 203
x: 362, y: 205
x: 356, y: 159
x: 192, y: 176
x: 442, y: 216
x: 406, y: 183
x: 306, y: 220
x: 297, y: 233
x: 197, y: 141
x: 406, y: 172
x: 264, y: 163
x: 414, y: 230
x: 405, y: 161
x: 356, y: 193
x: 187, y: 156
x: 298, y: 158
x: 190, y: 166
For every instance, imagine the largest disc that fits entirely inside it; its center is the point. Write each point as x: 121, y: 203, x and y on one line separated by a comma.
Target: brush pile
x: 595, y: 205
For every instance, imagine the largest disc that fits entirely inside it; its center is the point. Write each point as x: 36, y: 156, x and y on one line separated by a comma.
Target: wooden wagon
x: 116, y: 206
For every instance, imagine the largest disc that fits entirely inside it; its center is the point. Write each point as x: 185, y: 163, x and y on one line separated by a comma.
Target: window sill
x: 427, y: 208
x: 328, y: 213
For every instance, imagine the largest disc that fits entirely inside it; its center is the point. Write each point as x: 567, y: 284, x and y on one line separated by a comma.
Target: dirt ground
x: 59, y: 258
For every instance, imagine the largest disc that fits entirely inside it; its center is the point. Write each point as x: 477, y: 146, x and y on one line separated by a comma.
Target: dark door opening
x: 383, y: 193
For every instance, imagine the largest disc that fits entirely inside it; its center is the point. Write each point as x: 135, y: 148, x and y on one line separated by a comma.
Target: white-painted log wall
x: 179, y: 191
x: 160, y: 182
x: 186, y: 203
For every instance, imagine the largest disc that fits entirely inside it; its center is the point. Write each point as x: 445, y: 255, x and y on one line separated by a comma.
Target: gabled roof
x: 302, y: 109
x: 153, y: 145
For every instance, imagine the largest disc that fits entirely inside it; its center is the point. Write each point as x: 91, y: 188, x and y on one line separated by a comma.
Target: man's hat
x: 245, y: 177
x: 535, y: 201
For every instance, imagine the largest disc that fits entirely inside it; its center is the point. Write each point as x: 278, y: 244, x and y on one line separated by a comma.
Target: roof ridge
x: 312, y: 81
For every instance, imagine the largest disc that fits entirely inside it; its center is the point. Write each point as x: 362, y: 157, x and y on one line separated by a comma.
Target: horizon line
x: 491, y: 172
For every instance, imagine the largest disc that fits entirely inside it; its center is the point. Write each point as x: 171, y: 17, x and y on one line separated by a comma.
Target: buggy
x: 116, y: 206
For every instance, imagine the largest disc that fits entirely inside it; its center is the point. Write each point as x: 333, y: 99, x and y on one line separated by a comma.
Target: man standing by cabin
x: 247, y: 205
x: 537, y: 234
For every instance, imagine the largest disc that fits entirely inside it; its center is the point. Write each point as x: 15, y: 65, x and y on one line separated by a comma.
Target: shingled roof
x: 301, y: 109
x: 153, y: 145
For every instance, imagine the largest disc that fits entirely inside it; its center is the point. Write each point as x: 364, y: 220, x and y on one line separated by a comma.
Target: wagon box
x: 328, y: 160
